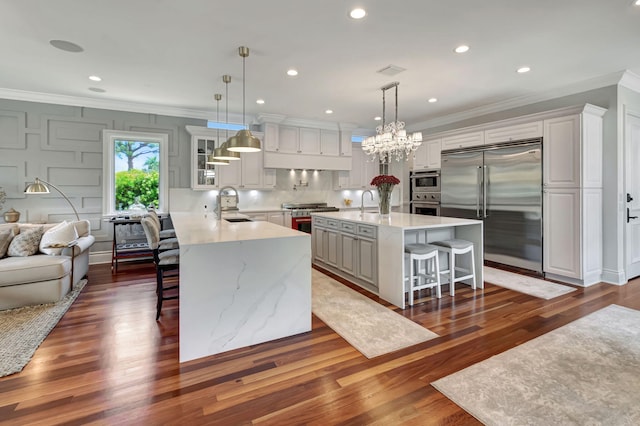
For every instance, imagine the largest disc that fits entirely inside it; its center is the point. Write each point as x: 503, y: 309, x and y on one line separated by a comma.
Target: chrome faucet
x: 219, y: 199
x: 362, y: 200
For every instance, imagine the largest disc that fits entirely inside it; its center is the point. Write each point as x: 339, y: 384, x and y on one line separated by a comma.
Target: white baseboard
x: 99, y: 257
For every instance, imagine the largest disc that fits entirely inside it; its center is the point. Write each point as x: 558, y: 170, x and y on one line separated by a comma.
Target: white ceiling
x: 173, y: 53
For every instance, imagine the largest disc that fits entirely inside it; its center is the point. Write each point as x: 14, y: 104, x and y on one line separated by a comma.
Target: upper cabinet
x: 247, y: 173
x: 299, y: 144
x: 203, y: 142
x: 361, y: 173
x: 428, y: 155
x: 573, y: 150
x: 513, y: 133
x: 463, y: 140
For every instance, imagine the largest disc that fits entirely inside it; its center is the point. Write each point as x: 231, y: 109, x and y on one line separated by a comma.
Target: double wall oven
x: 425, y: 192
x: 301, y: 214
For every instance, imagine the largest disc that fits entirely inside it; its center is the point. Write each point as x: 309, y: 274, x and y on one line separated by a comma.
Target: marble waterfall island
x: 240, y: 283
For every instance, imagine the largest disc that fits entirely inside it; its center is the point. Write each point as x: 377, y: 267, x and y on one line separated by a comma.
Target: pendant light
x: 222, y: 153
x: 211, y: 159
x: 243, y: 141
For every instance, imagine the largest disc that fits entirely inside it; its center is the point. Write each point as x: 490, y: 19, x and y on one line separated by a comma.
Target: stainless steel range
x: 301, y: 214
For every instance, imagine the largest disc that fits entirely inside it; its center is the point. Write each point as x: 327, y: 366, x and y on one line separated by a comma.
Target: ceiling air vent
x: 391, y: 70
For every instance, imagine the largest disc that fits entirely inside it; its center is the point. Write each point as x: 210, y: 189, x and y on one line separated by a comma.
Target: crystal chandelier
x: 391, y: 140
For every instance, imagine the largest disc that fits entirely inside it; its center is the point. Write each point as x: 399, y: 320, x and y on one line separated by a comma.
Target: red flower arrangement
x: 385, y: 179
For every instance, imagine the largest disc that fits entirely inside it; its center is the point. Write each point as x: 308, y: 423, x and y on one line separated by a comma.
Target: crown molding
x: 22, y: 95
x: 630, y: 79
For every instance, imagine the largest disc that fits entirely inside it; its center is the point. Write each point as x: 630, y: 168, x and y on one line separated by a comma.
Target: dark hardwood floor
x: 109, y: 362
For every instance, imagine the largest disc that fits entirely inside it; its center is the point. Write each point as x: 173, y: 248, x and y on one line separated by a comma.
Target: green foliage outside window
x: 136, y: 183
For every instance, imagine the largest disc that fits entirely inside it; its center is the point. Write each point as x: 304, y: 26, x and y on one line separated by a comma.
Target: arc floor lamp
x: 42, y: 187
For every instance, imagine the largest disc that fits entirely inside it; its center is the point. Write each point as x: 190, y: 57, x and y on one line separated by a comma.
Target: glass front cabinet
x: 203, y: 142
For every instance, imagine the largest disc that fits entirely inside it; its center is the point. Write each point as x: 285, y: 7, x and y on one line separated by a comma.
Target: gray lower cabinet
x: 348, y: 249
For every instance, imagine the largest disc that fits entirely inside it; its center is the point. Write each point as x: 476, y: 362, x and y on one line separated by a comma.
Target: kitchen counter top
x: 398, y: 220
x: 192, y: 228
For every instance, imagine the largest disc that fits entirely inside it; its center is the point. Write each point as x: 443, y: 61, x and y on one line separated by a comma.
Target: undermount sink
x: 237, y: 219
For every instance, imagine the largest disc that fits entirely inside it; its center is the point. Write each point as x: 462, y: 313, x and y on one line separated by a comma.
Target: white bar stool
x: 453, y: 248
x: 424, y: 266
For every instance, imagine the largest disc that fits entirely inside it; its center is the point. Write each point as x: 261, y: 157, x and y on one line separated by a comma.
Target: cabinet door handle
x: 630, y: 217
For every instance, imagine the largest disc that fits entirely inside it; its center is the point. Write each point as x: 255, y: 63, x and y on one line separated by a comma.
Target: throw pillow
x: 5, y: 239
x: 56, y: 239
x: 25, y: 243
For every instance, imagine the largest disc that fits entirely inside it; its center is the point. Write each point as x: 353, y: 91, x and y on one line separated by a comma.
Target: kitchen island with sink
x: 368, y: 249
x: 241, y: 283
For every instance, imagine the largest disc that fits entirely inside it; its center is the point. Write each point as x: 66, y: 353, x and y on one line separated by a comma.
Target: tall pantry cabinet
x: 572, y: 196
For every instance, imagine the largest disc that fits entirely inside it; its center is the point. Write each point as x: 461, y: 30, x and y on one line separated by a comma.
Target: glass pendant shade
x: 243, y: 141
x: 222, y: 153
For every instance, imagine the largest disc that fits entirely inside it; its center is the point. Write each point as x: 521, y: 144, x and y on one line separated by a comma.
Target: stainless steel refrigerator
x: 501, y: 185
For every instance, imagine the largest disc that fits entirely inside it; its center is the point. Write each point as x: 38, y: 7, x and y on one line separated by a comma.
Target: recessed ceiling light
x: 377, y: 118
x: 67, y: 46
x: 292, y: 72
x: 461, y: 49
x: 97, y: 89
x: 358, y: 13
x: 329, y: 111
x: 637, y: 3
x: 522, y: 70
x: 260, y: 101
x: 94, y: 78
x: 432, y: 100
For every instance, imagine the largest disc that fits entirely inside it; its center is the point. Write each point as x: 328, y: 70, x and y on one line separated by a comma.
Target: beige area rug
x: 584, y: 373
x: 22, y: 330
x: 369, y: 327
x: 525, y: 284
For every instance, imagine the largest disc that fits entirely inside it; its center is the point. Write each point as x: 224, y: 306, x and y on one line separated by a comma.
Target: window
x: 135, y: 170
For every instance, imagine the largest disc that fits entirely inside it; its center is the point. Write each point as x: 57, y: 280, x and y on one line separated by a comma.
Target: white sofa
x: 44, y: 278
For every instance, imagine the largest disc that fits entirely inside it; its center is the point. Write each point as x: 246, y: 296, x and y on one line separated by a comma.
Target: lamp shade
x: 42, y: 187
x: 211, y: 159
x: 222, y: 153
x: 36, y: 187
x: 243, y: 141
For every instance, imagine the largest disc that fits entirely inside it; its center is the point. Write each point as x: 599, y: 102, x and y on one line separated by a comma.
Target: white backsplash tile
x: 319, y: 189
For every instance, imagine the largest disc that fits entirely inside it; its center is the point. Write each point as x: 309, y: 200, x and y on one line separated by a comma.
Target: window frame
x: 109, y: 138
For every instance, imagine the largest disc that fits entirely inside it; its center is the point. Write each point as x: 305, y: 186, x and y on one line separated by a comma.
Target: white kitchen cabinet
x: 463, y: 140
x: 513, y: 133
x: 573, y: 150
x: 361, y: 173
x: 329, y: 142
x: 428, y: 155
x: 271, y: 137
x: 296, y: 140
x: 288, y: 140
x: 276, y: 217
x: 248, y: 172
x: 345, y: 143
x: 309, y: 141
x: 572, y: 197
x: 562, y: 152
x: 203, y: 142
x: 562, y: 224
